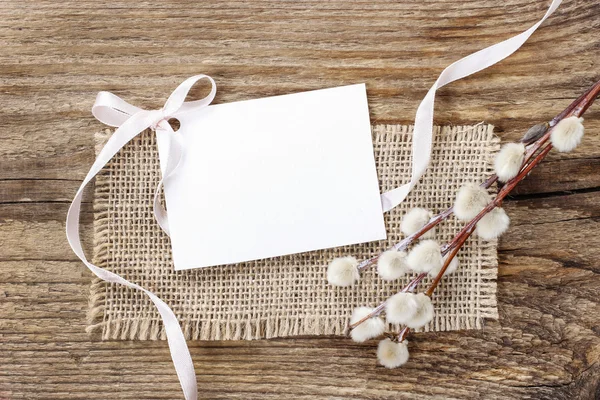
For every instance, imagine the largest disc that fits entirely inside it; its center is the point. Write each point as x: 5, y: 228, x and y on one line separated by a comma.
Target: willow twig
x: 577, y: 108
x: 434, y: 221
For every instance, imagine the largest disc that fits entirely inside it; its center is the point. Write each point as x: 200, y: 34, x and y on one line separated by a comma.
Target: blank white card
x: 274, y: 176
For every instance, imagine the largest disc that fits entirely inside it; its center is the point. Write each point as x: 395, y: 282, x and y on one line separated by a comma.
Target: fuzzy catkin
x: 470, y: 200
x: 343, y: 271
x: 368, y: 329
x: 392, y: 265
x: 425, y: 256
x: 509, y: 160
x: 492, y: 224
x: 391, y: 354
x: 401, y: 307
x: 424, y: 312
x: 567, y: 134
x: 414, y: 220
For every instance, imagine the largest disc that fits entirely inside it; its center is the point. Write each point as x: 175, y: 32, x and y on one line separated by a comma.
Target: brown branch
x: 377, y: 310
x: 435, y: 220
x: 454, y: 246
x: 576, y: 108
x: 453, y: 251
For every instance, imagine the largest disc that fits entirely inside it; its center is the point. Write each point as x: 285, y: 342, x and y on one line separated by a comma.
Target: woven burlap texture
x: 289, y: 295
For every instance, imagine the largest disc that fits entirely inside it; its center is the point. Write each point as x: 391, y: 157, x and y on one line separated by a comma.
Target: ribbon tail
x: 171, y: 155
x: 114, y: 111
x: 423, y: 130
x: 180, y: 354
x: 160, y: 213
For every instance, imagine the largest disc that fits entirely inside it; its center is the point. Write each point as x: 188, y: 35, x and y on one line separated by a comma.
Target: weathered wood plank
x: 38, y: 190
x: 56, y: 55
x: 538, y: 332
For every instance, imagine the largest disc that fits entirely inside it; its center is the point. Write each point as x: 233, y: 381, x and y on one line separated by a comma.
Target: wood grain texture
x: 55, y: 56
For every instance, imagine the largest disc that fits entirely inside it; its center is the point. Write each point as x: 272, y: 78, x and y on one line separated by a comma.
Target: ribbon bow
x: 130, y: 122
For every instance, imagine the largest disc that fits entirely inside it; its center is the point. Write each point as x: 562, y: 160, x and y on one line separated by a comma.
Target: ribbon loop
x: 176, y: 103
x: 112, y: 110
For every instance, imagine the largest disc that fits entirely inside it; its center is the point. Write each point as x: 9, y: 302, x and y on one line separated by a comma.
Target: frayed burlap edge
x: 264, y: 328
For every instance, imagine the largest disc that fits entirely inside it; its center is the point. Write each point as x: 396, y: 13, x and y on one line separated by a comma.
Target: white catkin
x: 343, y: 271
x: 425, y: 256
x: 392, y: 354
x: 424, y: 312
x: 509, y: 160
x: 392, y: 265
x: 470, y: 200
x: 567, y: 134
x: 369, y: 329
x: 450, y: 270
x: 493, y: 224
x: 401, y: 307
x: 414, y: 220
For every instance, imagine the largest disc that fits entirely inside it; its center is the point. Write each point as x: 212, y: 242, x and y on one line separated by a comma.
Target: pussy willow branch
x: 466, y: 232
x: 533, y: 146
x: 461, y: 237
x: 468, y: 229
x: 435, y: 220
x: 576, y: 108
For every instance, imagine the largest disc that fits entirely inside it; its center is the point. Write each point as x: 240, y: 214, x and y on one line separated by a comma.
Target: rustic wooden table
x: 55, y: 56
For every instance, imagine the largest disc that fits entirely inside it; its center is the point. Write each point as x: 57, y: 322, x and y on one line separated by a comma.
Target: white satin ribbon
x: 131, y: 121
x: 423, y: 129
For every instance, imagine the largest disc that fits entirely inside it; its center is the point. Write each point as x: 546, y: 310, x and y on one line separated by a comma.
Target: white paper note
x: 274, y: 176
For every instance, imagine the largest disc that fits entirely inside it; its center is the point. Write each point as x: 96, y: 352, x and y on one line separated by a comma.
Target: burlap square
x: 283, y: 296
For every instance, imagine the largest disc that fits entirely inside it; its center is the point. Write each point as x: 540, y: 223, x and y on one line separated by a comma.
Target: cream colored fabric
x: 283, y: 296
